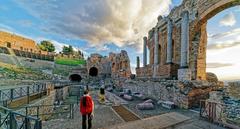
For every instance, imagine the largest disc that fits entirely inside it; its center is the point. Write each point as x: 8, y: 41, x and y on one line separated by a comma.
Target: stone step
x: 167, y: 120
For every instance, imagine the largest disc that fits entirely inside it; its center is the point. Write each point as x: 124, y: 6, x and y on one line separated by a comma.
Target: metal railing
x: 19, y: 92
x: 9, y: 95
x: 10, y: 119
x: 222, y: 114
x: 45, y: 112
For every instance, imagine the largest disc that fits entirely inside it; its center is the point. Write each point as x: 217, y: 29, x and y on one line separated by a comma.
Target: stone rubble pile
x: 184, y: 94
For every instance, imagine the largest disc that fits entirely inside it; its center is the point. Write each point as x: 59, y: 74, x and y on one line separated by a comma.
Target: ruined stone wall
x: 120, y: 64
x: 95, y: 60
x: 116, y: 64
x: 34, y: 64
x: 191, y: 16
x: 183, y: 94
x: 19, y: 43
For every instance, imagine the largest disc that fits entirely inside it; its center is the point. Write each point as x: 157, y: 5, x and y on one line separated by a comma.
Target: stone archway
x: 9, y: 45
x: 212, y: 8
x: 93, y: 71
x: 75, y: 78
x: 206, y: 12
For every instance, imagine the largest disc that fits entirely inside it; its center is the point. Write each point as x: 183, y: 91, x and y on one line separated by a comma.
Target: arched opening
x: 216, y: 38
x: 173, y: 50
x: 159, y: 53
x: 9, y: 45
x: 75, y: 78
x: 93, y: 71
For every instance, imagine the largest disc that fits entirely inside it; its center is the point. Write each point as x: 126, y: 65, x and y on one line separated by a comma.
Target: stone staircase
x: 16, y: 61
x: 75, y: 90
x: 13, y: 58
x: 11, y: 51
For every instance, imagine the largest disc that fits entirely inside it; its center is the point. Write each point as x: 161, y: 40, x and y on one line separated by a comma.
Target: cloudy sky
x: 111, y: 25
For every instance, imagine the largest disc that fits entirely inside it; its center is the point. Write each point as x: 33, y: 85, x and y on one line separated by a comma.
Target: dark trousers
x: 84, y: 121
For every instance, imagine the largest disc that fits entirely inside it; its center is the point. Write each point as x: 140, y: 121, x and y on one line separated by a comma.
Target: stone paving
x: 166, y: 120
x: 105, y: 117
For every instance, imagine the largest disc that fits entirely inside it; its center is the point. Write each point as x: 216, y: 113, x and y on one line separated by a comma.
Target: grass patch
x: 71, y: 62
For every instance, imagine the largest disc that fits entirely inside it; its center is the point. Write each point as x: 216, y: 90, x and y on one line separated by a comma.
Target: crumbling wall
x: 184, y: 94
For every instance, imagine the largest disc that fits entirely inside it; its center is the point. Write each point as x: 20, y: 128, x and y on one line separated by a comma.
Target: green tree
x: 65, y: 50
x: 47, y: 46
x: 70, y: 49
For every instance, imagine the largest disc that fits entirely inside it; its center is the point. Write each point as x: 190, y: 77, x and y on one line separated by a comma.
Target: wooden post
x: 28, y: 95
x: 11, y: 94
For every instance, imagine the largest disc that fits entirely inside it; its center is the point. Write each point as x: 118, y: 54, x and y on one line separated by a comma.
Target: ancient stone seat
x: 211, y: 77
x: 4, y: 50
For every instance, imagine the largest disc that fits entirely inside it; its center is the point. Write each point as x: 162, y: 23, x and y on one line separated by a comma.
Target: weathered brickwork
x: 185, y: 94
x: 115, y: 65
x: 181, y: 42
x: 182, y: 37
x: 19, y: 43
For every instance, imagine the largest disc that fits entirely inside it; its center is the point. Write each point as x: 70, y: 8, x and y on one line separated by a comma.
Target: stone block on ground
x: 145, y: 106
x: 168, y: 104
x: 128, y: 97
x: 149, y: 101
x: 138, y: 95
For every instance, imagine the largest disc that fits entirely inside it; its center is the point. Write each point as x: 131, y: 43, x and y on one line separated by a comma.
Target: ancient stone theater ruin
x: 177, y: 44
x: 177, y: 54
x: 116, y: 65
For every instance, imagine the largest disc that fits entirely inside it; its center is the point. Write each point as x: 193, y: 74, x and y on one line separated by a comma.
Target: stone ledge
x: 167, y: 120
x: 184, y: 74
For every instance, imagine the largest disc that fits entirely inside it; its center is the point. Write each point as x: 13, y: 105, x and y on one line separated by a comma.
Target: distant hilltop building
x: 19, y: 46
x: 116, y: 65
x: 19, y: 43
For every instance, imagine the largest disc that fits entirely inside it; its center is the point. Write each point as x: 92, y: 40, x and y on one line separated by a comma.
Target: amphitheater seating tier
x: 33, y: 55
x: 4, y: 50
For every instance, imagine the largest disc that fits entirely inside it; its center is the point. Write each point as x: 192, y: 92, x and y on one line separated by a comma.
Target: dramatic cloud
x: 59, y: 46
x: 233, y: 32
x: 228, y: 20
x: 123, y: 22
x: 218, y: 65
x: 222, y: 46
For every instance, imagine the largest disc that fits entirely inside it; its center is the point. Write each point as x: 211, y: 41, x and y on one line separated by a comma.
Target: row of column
x: 184, y: 43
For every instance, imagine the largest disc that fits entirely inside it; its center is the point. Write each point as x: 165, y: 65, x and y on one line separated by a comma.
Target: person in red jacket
x: 86, y: 109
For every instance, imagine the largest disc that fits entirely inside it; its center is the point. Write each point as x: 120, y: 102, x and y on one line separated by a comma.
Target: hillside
x: 69, y: 61
x: 8, y: 71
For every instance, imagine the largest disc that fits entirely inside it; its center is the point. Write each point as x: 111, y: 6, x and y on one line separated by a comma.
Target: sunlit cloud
x: 233, y: 32
x: 228, y: 20
x: 218, y: 65
x: 122, y: 22
x: 222, y: 45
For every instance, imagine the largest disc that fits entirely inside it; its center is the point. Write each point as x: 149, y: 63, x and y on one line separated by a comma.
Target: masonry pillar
x: 156, y: 45
x: 144, y: 51
x: 185, y: 40
x: 169, y: 42
x: 184, y: 73
x: 138, y: 62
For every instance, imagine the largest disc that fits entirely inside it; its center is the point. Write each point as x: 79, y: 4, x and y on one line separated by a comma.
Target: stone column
x: 144, y: 51
x: 184, y: 73
x: 169, y: 42
x: 185, y: 40
x: 138, y: 62
x: 156, y: 46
